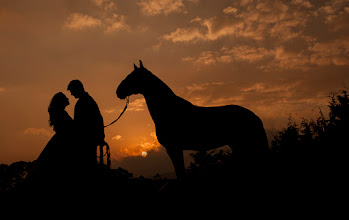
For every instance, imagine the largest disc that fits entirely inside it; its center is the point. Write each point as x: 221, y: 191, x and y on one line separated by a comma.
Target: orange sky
x: 275, y: 57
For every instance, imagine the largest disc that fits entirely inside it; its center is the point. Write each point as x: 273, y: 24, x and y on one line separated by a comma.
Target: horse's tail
x: 257, y: 140
x: 262, y: 137
x: 265, y: 142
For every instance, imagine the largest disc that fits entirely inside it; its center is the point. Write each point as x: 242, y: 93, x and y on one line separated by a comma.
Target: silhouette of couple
x: 70, y: 155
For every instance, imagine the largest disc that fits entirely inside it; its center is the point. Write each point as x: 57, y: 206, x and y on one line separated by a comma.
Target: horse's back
x: 234, y: 114
x: 210, y: 127
x: 185, y: 109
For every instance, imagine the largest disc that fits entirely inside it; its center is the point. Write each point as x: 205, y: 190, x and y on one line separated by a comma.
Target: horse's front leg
x: 176, y: 155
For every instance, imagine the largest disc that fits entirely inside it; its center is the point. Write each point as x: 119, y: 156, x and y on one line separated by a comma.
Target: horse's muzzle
x: 119, y: 94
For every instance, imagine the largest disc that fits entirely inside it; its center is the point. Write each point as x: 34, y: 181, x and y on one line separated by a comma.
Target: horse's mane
x: 158, y: 84
x: 163, y: 91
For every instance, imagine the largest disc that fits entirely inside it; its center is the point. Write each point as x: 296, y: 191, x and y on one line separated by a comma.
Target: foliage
x: 10, y: 175
x: 209, y: 163
x: 324, y: 135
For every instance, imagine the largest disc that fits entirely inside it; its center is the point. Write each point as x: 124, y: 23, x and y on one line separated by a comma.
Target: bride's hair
x: 59, y: 102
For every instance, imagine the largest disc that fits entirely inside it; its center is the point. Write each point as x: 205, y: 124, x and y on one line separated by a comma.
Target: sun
x: 144, y: 154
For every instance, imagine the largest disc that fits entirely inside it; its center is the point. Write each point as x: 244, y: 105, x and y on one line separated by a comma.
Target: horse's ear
x: 141, y: 64
x: 134, y: 65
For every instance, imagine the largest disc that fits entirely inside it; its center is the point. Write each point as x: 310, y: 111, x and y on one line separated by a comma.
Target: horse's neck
x: 159, y: 98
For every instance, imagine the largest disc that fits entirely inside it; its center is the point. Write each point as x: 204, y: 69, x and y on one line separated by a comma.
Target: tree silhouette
x: 13, y: 175
x: 320, y: 136
x: 287, y: 140
x: 315, y: 151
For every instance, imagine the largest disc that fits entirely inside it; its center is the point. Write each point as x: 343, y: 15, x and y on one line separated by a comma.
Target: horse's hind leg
x: 253, y: 143
x: 176, y: 155
x: 251, y: 154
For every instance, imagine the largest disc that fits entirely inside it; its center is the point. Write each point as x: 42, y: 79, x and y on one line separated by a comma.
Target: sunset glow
x: 277, y: 58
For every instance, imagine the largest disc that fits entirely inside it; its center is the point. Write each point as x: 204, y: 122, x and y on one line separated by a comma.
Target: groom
x: 89, y: 125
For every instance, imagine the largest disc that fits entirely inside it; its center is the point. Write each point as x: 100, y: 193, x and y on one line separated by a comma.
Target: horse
x: 181, y: 125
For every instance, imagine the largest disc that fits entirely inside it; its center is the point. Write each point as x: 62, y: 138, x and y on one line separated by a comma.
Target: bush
x: 324, y: 135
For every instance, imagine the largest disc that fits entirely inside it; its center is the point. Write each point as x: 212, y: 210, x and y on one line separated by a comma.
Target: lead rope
x: 127, y: 101
x: 107, y: 150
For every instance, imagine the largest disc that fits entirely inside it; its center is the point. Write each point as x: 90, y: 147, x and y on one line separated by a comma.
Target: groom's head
x: 76, y: 88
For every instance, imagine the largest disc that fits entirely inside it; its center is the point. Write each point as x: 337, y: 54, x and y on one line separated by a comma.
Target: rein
x: 127, y: 101
x: 107, y: 150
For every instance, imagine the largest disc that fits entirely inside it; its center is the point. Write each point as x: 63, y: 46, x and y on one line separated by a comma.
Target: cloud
x: 156, y: 162
x: 107, y: 20
x: 109, y: 111
x: 319, y: 54
x: 205, y: 58
x: 262, y: 87
x: 197, y: 19
x: 230, y: 10
x: 246, y: 53
x: 199, y: 87
x: 2, y: 89
x: 245, y: 2
x: 255, y: 20
x: 105, y: 4
x: 218, y: 27
x: 303, y: 3
x: 77, y: 22
x: 137, y: 105
x: 243, y: 53
x: 38, y: 131
x: 286, y: 60
x: 201, y: 94
x: 212, y: 93
x: 336, y: 15
x: 209, y: 29
x: 153, y: 134
x: 158, y: 7
x: 330, y: 53
x: 184, y: 35
x: 149, y: 143
x: 117, y: 138
x: 333, y: 7
x: 115, y: 23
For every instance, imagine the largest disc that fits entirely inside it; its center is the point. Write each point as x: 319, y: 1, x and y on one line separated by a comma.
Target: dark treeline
x: 323, y: 135
x: 309, y: 155
x: 104, y: 181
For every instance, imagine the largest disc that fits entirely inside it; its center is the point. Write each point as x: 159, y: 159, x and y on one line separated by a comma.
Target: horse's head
x: 134, y: 83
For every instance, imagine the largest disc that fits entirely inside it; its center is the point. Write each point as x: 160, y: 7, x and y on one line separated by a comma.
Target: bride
x: 56, y: 166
